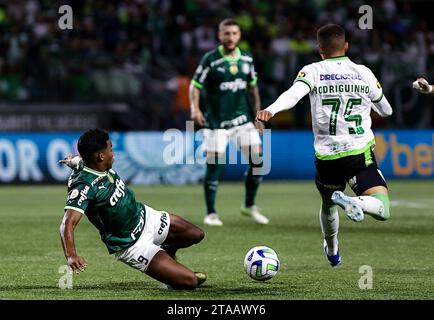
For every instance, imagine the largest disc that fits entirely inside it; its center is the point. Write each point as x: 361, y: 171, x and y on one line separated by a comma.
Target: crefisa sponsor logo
x: 118, y: 193
x: 83, y: 195
x: 163, y: 224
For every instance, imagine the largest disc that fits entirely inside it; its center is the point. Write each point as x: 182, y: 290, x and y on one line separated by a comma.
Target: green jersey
x: 108, y: 204
x: 226, y: 82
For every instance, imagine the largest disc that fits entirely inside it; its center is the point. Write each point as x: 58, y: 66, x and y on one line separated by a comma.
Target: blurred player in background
x: 341, y: 94
x: 228, y: 75
x: 422, y: 86
x: 135, y: 233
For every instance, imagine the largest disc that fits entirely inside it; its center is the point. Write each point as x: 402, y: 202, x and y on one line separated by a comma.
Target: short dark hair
x: 331, y: 38
x: 228, y: 22
x: 92, y: 141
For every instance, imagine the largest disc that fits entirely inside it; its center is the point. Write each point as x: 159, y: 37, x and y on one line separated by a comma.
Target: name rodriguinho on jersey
x: 340, y: 88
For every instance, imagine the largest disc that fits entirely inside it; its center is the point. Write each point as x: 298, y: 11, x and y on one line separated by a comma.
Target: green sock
x: 212, y: 175
x: 251, y: 183
x: 386, y: 204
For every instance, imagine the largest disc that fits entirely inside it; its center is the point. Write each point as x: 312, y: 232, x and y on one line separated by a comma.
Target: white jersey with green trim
x: 341, y: 96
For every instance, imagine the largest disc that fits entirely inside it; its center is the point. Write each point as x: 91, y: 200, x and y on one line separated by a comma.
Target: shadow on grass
x: 250, y: 291
x: 112, y: 286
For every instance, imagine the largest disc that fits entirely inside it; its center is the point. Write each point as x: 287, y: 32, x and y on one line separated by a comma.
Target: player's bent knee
x: 199, y: 234
x: 196, y: 234
x: 189, y: 230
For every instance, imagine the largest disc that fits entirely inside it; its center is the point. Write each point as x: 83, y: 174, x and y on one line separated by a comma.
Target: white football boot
x: 352, y: 209
x: 255, y: 213
x: 212, y: 219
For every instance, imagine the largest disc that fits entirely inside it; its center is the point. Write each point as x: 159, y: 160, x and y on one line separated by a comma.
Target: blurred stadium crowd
x: 144, y: 52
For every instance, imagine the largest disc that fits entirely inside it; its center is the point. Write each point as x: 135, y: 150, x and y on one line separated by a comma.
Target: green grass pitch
x: 399, y: 251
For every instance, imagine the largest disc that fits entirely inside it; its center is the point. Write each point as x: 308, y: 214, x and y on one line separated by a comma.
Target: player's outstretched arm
x: 383, y: 107
x: 422, y: 86
x: 285, y: 101
x: 74, y: 162
x: 67, y: 227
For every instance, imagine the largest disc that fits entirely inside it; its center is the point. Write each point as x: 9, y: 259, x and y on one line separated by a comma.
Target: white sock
x: 370, y: 205
x: 329, y: 220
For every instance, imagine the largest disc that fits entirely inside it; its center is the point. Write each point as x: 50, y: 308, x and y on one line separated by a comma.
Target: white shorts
x: 140, y: 254
x: 216, y: 140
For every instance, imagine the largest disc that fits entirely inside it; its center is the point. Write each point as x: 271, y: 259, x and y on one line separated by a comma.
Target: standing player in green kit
x: 228, y: 76
x: 138, y: 235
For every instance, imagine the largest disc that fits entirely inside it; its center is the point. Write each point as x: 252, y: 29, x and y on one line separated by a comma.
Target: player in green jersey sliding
x: 139, y: 236
x: 228, y: 76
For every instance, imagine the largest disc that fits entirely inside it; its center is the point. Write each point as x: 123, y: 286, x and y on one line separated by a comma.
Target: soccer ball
x: 261, y: 263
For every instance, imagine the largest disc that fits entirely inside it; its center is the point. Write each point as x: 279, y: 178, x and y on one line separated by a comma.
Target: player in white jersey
x: 342, y: 95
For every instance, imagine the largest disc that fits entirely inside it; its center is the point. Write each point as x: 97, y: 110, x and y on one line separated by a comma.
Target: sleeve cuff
x: 378, y: 100
x: 197, y: 84
x: 75, y: 209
